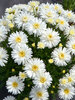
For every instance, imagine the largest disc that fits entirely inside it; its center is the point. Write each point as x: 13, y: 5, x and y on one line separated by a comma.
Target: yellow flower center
x: 61, y: 55
x: 33, y: 4
x: 25, y: 19
x: 50, y: 36
x: 41, y: 45
x: 10, y: 17
x: 15, y: 84
x: 42, y: 79
x: 61, y: 22
x: 57, y: 20
x: 69, y: 15
x: 72, y: 32
x: 56, y: 7
x: 39, y: 94
x: 63, y: 81
x: 23, y: 75
x: 18, y: 39
x: 66, y: 91
x: 35, y: 68
x: 69, y: 79
x: 11, y: 25
x: 73, y: 46
x: 36, y: 25
x: 50, y: 20
x: 49, y: 14
x: 46, y: 6
x: 22, y: 54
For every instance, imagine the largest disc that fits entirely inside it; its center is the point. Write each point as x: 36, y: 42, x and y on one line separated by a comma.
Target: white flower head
x: 71, y: 46
x: 14, y: 85
x: 21, y: 54
x: 71, y: 78
x: 33, y: 3
x: 61, y: 56
x: 36, y: 26
x: 66, y: 92
x: 34, y: 66
x: 45, y: 14
x: 39, y: 94
x: 70, y: 31
x: 50, y: 38
x: 17, y: 39
x: 3, y: 57
x: 72, y: 70
x: 62, y: 23
x: 58, y: 8
x: 22, y: 75
x: 69, y: 16
x: 22, y: 19
x: 3, y: 33
x: 43, y: 79
x: 63, y: 81
x: 44, y: 6
x: 41, y: 45
x: 9, y: 98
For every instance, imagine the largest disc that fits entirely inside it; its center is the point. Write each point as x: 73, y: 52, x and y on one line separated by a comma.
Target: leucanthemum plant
x: 37, y: 52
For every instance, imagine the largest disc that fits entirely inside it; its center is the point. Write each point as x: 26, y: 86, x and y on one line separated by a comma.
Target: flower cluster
x: 37, y: 51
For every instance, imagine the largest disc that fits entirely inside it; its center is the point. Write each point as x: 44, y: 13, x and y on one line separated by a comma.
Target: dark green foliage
x: 69, y: 4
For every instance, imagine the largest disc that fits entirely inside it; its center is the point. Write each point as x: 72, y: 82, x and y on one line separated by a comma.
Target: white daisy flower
x: 44, y: 6
x: 17, y: 39
x: 20, y: 7
x: 10, y: 10
x: 21, y: 54
x: 3, y: 56
x: 14, y: 85
x: 39, y: 94
x: 62, y: 23
x: 9, y: 17
x: 71, y: 78
x: 66, y: 93
x: 34, y: 66
x: 4, y: 22
x: 58, y: 9
x: 3, y: 33
x: 63, y: 81
x: 51, y: 21
x: 45, y: 14
x: 33, y: 3
x: 61, y: 56
x: 72, y: 70
x: 70, y: 31
x: 22, y: 19
x: 40, y: 45
x: 69, y: 15
x: 71, y: 46
x: 50, y: 38
x: 9, y: 98
x: 43, y: 79
x: 22, y: 75
x: 36, y: 26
